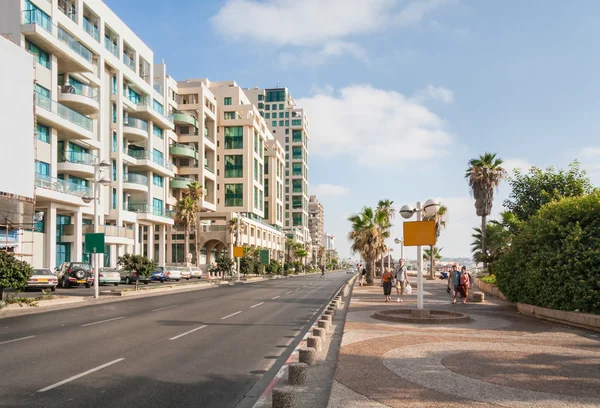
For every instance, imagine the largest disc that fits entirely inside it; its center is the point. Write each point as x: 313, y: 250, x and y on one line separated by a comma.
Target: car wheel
x: 146, y: 282
x: 65, y: 283
x: 116, y: 284
x: 162, y: 281
x: 127, y: 281
x: 176, y: 280
x: 53, y: 288
x: 87, y: 285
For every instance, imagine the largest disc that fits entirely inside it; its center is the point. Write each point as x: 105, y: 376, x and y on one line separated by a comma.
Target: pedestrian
x: 386, y: 280
x: 363, y: 276
x: 323, y: 271
x: 464, y: 283
x: 401, y: 277
x: 453, y: 282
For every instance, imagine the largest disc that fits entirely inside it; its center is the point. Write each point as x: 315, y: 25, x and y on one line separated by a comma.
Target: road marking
x: 19, y: 339
x: 276, y: 297
x: 287, y: 293
x: 258, y: 304
x: 187, y: 332
x: 231, y: 315
x: 58, y: 384
x: 103, y: 321
x: 304, y: 286
x: 164, y: 308
x: 298, y: 288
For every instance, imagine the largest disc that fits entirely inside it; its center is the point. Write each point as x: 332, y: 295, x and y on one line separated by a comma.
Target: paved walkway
x: 499, y: 359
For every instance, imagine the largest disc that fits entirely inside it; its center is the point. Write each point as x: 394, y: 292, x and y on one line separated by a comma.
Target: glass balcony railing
x: 209, y: 169
x: 149, y: 209
x: 80, y: 89
x: 91, y: 29
x: 62, y: 186
x: 130, y: 62
x: 158, y: 88
x: 135, y: 123
x: 73, y: 44
x: 146, y: 155
x: 68, y: 9
x: 111, y: 46
x: 71, y: 156
x: 69, y: 114
x: 135, y: 179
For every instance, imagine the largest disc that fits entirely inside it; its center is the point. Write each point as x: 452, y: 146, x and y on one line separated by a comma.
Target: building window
x: 158, y: 132
x: 296, y: 219
x: 296, y: 122
x: 287, y: 114
x: 266, y: 187
x: 42, y: 57
x: 267, y: 107
x: 157, y: 207
x: 157, y: 180
x: 229, y: 115
x: 274, y: 106
x: 261, y: 105
x: 280, y: 115
x: 261, y: 97
x: 43, y: 133
x: 114, y: 198
x: 184, y: 130
x: 114, y: 141
x: 157, y: 157
x: 268, y: 116
x: 287, y: 123
x: 234, y: 195
x: 274, y: 123
x: 114, y: 84
x: 234, y: 166
x: 297, y: 152
x: 114, y: 112
x: 234, y: 137
x: 255, y: 197
x: 227, y: 101
x: 255, y: 170
x: 114, y: 170
x: 297, y: 186
x: 296, y: 202
x: 297, y: 136
x: 39, y: 226
x: 281, y: 106
x: 287, y: 131
x: 42, y: 168
x: 296, y: 169
x: 158, y: 107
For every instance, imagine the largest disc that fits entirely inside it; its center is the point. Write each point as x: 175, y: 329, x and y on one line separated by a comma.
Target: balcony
x: 67, y: 9
x: 209, y: 169
x: 136, y: 130
x: 181, y: 150
x: 92, y: 30
x: 145, y: 109
x: 78, y: 164
x: 71, y: 54
x: 111, y: 46
x: 135, y: 182
x: 129, y: 62
x: 84, y: 98
x: 181, y: 182
x: 152, y: 161
x: 151, y: 213
x: 70, y: 123
x: 60, y: 190
x: 112, y: 233
x: 184, y: 118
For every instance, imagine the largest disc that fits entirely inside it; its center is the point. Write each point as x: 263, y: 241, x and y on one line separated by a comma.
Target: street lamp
x: 99, y: 178
x: 430, y: 209
x: 400, y: 242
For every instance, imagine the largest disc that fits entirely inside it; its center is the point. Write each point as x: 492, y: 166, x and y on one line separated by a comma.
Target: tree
x: 385, y: 206
x: 141, y: 265
x: 301, y: 253
x: 196, y: 193
x: 225, y: 265
x: 185, y: 214
x: 484, y: 175
x: 441, y: 218
x: 14, y: 273
x: 320, y: 254
x: 436, y: 254
x: 539, y: 187
x: 370, y: 229
x: 498, y: 239
x: 273, y: 268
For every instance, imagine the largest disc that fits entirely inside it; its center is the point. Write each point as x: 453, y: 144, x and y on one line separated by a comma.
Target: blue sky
x: 402, y: 93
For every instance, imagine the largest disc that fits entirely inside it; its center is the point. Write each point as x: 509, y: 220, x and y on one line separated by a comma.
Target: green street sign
x: 265, y: 256
x: 94, y: 243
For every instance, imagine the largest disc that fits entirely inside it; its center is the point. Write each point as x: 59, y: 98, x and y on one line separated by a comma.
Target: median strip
x: 19, y: 339
x: 187, y: 332
x: 68, y: 380
x: 103, y: 321
x: 231, y: 315
x: 258, y: 304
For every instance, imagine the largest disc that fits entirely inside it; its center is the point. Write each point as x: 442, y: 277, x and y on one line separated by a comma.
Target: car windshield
x: 80, y: 265
x: 42, y: 272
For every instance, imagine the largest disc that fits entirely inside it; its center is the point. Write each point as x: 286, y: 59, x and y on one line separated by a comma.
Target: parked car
x: 75, y: 274
x: 130, y: 277
x: 172, y: 273
x: 42, y: 279
x: 109, y: 275
x: 196, y: 272
x: 158, y: 275
x: 186, y: 273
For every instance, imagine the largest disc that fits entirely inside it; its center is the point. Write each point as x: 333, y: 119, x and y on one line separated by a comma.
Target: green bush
x: 491, y: 279
x: 554, y: 260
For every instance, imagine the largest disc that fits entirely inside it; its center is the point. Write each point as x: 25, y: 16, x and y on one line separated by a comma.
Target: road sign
x: 238, y: 251
x: 264, y: 256
x: 94, y: 243
x: 417, y: 233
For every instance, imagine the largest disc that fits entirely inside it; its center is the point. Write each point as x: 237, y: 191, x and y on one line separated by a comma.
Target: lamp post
x: 99, y: 179
x: 400, y: 242
x: 430, y: 208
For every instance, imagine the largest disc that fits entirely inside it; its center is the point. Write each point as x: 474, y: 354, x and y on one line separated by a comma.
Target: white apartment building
x: 316, y: 222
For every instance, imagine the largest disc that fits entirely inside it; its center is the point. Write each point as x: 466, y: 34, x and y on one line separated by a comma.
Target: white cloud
x: 511, y: 164
x: 328, y: 190
x: 311, y: 58
x: 590, y: 152
x: 436, y: 93
x: 378, y: 128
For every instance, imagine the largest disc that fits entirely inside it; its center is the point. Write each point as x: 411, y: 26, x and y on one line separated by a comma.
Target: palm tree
x: 370, y: 228
x: 441, y: 218
x: 386, y: 207
x: 196, y: 193
x: 437, y: 254
x: 301, y: 253
x: 498, y: 239
x: 185, y: 214
x: 484, y: 175
x: 320, y: 253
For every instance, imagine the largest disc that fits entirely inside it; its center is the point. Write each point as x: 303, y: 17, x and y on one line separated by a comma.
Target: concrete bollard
x: 330, y: 310
x: 327, y: 317
x: 328, y: 313
x: 297, y: 373
x: 324, y: 324
x: 319, y: 332
x: 307, y: 355
x: 314, y: 342
x: 284, y: 397
x: 477, y: 296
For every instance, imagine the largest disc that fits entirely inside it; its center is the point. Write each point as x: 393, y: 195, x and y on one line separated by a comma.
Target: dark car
x: 130, y: 277
x: 158, y: 275
x: 75, y: 274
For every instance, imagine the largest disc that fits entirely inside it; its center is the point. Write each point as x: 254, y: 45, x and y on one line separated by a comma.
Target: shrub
x: 554, y: 260
x: 13, y: 273
x: 491, y: 279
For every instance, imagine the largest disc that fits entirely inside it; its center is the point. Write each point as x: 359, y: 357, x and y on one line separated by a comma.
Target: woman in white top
x: 401, y: 279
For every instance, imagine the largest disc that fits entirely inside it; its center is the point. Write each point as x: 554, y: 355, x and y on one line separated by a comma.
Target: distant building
x: 315, y: 222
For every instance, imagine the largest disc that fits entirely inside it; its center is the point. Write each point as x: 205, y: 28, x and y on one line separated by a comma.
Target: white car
x: 172, y: 273
x: 196, y: 272
x: 42, y: 279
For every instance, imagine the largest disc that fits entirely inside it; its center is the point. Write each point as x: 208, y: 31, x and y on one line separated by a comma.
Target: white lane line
x: 187, y: 332
x: 298, y: 288
x: 164, y: 308
x: 304, y: 286
x: 103, y: 321
x: 258, y: 304
x: 19, y: 339
x: 276, y: 297
x: 287, y: 293
x: 231, y: 315
x: 58, y: 384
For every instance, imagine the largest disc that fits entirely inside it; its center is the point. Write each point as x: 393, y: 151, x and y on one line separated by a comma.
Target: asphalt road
x: 217, y: 347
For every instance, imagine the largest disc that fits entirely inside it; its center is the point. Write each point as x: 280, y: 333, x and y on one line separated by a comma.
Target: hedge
x: 554, y: 261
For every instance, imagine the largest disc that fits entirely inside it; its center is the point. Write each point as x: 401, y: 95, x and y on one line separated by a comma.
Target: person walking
x: 401, y: 277
x: 464, y: 283
x: 322, y: 271
x: 453, y: 282
x: 363, y: 275
x: 386, y: 279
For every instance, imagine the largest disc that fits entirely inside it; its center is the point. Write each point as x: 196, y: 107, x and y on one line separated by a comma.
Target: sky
x: 400, y: 94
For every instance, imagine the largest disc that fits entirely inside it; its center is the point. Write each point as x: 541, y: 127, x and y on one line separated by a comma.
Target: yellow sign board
x: 238, y: 252
x: 418, y: 233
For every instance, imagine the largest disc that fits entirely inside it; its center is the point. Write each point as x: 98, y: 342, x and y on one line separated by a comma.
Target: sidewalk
x: 499, y: 358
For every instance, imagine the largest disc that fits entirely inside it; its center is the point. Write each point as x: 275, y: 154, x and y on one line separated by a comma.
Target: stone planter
x: 489, y: 289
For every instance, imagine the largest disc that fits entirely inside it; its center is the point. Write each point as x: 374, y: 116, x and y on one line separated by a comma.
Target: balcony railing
x: 91, y: 29
x: 37, y: 17
x: 80, y: 89
x: 68, y: 9
x: 135, y: 123
x: 214, y: 228
x: 64, y: 112
x: 146, y: 155
x: 209, y: 169
x: 130, y: 62
x: 111, y: 46
x: 150, y: 209
x: 62, y: 186
x: 108, y: 230
x: 158, y: 88
x: 135, y: 179
x: 71, y: 156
